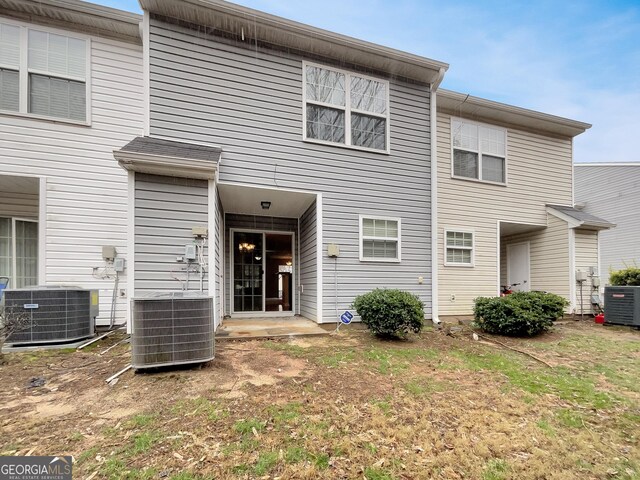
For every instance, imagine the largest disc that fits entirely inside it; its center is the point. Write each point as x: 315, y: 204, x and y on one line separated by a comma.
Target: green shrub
x: 390, y: 313
x: 518, y: 314
x: 628, y: 276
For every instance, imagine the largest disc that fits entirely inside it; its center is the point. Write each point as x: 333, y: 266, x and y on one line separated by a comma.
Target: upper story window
x: 9, y: 67
x: 43, y: 73
x: 345, y: 108
x: 479, y: 151
x: 379, y: 239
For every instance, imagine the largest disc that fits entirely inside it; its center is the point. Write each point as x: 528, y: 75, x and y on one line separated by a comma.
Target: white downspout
x: 434, y: 198
x: 572, y: 269
x: 145, y: 27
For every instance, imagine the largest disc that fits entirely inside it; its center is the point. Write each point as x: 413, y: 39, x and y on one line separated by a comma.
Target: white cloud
x: 616, y: 126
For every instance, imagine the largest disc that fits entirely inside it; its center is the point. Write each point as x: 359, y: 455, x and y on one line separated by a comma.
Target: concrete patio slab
x: 251, y: 328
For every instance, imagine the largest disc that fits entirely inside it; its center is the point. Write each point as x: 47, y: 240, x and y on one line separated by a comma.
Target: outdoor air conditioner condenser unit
x: 172, y: 329
x: 51, y: 314
x: 622, y: 305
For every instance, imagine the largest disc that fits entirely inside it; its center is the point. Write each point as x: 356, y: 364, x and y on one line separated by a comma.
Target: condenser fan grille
x: 55, y: 315
x: 622, y: 305
x: 172, y: 331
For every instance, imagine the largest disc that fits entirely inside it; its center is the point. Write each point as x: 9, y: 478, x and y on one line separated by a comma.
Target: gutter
x: 461, y: 104
x: 229, y: 17
x: 608, y: 164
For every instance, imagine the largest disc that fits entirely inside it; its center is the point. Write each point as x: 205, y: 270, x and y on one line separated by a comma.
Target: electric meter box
x: 118, y: 264
x: 581, y: 276
x: 190, y: 252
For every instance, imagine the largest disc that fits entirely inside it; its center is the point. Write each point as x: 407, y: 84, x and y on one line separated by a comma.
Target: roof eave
x: 77, y: 15
x: 286, y: 33
x: 575, y: 223
x: 464, y: 105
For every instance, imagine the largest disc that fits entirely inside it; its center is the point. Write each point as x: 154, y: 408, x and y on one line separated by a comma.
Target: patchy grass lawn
x: 346, y: 406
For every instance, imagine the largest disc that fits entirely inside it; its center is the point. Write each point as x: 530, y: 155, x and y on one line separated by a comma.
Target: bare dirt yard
x: 346, y: 406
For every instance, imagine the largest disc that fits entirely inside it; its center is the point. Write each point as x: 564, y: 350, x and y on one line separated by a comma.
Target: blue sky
x: 578, y: 59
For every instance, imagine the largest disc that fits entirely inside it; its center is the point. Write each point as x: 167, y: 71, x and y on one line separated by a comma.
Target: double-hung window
x: 479, y: 151
x: 345, y: 108
x: 458, y: 248
x: 379, y: 239
x: 43, y: 73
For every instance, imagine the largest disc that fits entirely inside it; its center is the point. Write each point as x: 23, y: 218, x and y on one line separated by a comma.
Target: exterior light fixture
x: 265, y: 205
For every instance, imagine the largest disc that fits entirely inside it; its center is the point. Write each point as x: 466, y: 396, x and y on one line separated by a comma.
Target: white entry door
x: 518, y: 266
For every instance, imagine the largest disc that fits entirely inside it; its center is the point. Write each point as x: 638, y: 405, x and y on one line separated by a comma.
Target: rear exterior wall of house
x: 538, y: 172
x: 85, y: 204
x: 249, y: 102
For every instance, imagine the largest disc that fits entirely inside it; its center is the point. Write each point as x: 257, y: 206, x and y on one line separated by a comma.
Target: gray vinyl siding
x: 308, y: 266
x: 613, y: 193
x: 166, y: 208
x: 254, y: 222
x: 249, y: 102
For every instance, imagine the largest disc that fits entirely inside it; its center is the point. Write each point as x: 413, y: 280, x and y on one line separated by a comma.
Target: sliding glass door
x: 262, y: 274
x: 19, y: 251
x: 247, y: 272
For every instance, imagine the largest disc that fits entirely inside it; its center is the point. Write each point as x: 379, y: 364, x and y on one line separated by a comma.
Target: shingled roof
x: 171, y: 148
x: 581, y: 218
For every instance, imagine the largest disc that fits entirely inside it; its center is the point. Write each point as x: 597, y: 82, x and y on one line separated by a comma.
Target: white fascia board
x: 162, y: 165
x: 608, y: 164
x: 572, y: 222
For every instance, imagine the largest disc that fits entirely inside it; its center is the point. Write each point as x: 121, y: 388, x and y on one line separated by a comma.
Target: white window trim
x: 23, y: 72
x: 472, y: 247
x: 506, y: 152
x: 362, y: 237
x: 347, y: 110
